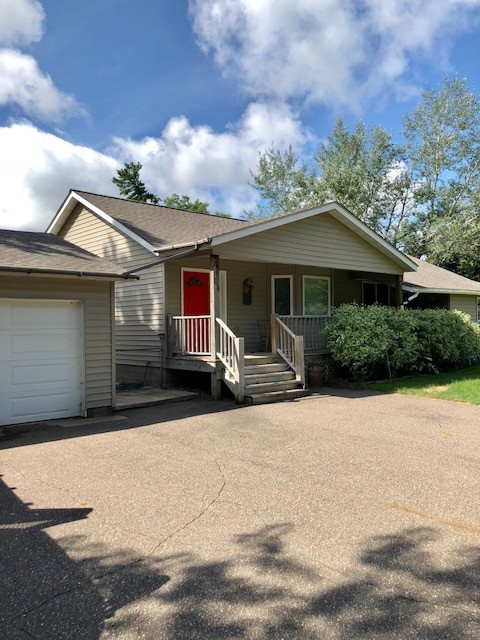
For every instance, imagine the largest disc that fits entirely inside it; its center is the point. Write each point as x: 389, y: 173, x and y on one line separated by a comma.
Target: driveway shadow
x: 401, y: 588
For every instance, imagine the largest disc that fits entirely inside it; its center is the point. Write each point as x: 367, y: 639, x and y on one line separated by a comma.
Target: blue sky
x: 195, y: 90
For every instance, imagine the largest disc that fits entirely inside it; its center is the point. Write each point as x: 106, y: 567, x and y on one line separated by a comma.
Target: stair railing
x: 289, y: 346
x: 231, y: 353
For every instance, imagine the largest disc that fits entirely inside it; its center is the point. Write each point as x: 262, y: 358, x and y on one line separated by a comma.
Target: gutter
x: 183, y: 245
x: 57, y: 272
x: 162, y: 261
x: 452, y: 292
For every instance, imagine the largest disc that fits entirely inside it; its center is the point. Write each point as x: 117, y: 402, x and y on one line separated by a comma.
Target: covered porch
x: 220, y: 310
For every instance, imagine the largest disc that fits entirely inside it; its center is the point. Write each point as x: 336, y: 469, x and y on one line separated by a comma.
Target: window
x: 282, y: 295
x: 316, y: 296
x: 375, y: 293
x: 478, y: 310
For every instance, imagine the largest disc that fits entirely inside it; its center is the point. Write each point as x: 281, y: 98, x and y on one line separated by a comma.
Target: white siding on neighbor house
x: 466, y: 304
x: 139, y: 304
x: 319, y: 241
x: 96, y: 297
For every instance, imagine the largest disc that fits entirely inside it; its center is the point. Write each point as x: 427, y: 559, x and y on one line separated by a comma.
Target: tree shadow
x: 400, y: 586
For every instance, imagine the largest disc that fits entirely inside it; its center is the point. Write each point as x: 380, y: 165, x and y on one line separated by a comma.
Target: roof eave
x: 460, y: 292
x: 68, y: 206
x: 66, y: 273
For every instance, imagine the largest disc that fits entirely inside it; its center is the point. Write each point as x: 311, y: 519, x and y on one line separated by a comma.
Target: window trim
x: 312, y: 277
x: 277, y: 276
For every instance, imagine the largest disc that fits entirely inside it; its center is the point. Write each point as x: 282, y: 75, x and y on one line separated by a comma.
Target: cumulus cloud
x: 333, y: 52
x: 213, y: 166
x: 22, y: 83
x: 21, y: 22
x: 39, y: 168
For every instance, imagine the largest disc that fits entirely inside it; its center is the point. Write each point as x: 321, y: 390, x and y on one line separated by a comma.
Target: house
x: 433, y: 287
x: 57, y: 355
x: 213, y: 290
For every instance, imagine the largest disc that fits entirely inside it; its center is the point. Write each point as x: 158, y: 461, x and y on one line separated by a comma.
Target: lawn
x: 460, y: 386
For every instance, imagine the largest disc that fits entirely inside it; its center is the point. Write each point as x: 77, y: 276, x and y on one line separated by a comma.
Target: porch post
x: 216, y: 386
x: 399, y: 291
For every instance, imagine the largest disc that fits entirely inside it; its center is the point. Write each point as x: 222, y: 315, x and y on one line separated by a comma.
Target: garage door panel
x: 41, y: 356
x: 29, y: 315
x: 45, y: 375
x: 40, y: 407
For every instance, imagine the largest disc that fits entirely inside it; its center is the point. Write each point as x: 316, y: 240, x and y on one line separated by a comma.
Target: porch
x: 251, y: 307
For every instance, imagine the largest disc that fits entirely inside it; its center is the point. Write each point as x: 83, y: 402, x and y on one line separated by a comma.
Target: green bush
x: 375, y: 342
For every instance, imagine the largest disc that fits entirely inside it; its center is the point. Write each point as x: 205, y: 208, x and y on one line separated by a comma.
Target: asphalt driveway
x: 349, y: 515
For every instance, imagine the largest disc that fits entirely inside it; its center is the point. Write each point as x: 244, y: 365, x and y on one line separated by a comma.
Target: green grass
x: 459, y: 386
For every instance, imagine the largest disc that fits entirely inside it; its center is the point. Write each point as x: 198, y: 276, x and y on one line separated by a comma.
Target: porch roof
x: 429, y: 278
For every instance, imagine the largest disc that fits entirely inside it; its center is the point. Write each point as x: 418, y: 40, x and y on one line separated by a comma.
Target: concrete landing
x: 148, y: 397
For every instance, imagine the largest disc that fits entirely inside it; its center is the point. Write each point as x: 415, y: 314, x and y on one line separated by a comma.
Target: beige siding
x: 466, y: 304
x: 346, y: 289
x: 96, y: 297
x: 319, y: 241
x: 139, y: 307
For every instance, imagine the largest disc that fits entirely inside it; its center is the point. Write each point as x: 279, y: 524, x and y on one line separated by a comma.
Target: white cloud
x: 213, y: 166
x: 39, y: 168
x: 329, y: 51
x: 22, y: 83
x: 21, y: 22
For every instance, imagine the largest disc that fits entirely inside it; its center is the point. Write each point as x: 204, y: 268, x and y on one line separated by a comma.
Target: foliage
x: 422, y: 193
x: 131, y: 186
x: 373, y: 341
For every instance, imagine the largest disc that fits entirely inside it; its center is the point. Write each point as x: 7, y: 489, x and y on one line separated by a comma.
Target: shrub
x: 372, y: 342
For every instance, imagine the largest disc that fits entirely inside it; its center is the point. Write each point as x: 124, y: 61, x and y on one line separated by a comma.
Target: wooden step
x: 274, y: 367
x: 274, y: 376
x: 256, y: 358
x: 276, y: 396
x: 266, y: 387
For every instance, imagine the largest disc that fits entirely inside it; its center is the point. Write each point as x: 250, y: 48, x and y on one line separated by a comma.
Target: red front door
x: 196, y: 302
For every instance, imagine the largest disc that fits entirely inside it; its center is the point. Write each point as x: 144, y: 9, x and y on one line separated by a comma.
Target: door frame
x: 272, y: 286
x: 223, y: 289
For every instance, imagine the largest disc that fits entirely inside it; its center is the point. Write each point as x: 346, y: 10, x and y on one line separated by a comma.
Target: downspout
x: 410, y: 299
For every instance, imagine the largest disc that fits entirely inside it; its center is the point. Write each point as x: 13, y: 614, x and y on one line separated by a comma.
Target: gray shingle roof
x: 429, y: 276
x: 162, y: 226
x: 47, y: 253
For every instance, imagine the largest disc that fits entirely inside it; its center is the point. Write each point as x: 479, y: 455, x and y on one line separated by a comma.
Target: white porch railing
x: 231, y: 353
x: 311, y: 328
x: 189, y: 335
x: 289, y: 346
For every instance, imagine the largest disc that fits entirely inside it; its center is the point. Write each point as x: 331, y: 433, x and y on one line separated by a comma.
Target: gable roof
x: 36, y: 252
x: 432, y: 279
x: 159, y: 228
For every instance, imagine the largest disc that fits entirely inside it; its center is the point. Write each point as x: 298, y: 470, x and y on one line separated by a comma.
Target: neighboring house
x: 210, y: 287
x: 57, y: 354
x: 433, y: 287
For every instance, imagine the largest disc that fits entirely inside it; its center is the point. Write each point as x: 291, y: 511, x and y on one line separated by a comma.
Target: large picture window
x: 316, y: 296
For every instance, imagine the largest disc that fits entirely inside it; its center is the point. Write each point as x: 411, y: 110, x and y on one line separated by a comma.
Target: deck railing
x: 189, y: 335
x: 231, y: 353
x: 289, y: 346
x: 311, y: 328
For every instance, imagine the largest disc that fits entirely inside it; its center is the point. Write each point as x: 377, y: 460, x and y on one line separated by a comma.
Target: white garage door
x: 41, y: 346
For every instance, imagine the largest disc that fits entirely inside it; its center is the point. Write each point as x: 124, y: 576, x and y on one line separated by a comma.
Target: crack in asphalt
x: 198, y: 516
